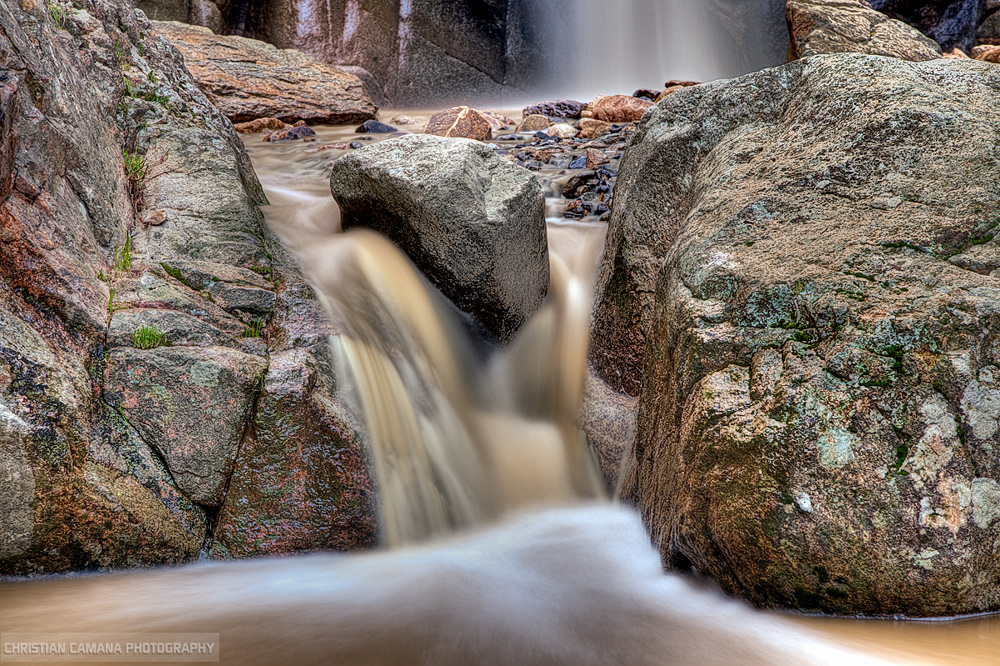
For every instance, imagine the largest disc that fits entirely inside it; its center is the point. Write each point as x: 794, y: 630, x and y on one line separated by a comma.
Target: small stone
x: 564, y: 108
x: 683, y: 84
x: 292, y: 134
x: 646, y: 93
x: 355, y: 145
x: 562, y: 131
x: 375, y: 127
x: 590, y: 128
x: 460, y: 121
x: 669, y: 91
x: 498, y: 121
x: 254, y: 126
x: 579, y: 163
x: 618, y: 108
x: 595, y: 158
x: 956, y: 54
x: 534, y: 123
x: 986, y: 53
x: 154, y: 218
x: 403, y: 120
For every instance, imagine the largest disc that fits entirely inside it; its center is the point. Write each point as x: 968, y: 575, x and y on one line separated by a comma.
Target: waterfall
x: 459, y: 435
x: 598, y: 47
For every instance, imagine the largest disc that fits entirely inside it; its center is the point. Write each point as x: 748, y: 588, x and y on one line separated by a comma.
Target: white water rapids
x: 538, y: 573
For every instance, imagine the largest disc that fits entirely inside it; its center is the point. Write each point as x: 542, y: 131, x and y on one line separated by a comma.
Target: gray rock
x: 852, y: 26
x: 301, y: 481
x: 989, y: 29
x: 820, y: 393
x: 472, y: 222
x: 69, y: 121
x: 191, y: 405
x: 17, y: 487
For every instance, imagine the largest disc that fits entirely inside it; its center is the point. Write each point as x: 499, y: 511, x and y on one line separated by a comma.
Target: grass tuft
x: 149, y: 337
x: 254, y: 329
x: 123, y: 256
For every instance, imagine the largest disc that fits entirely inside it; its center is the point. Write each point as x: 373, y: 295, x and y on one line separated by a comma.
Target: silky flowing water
x: 508, y: 552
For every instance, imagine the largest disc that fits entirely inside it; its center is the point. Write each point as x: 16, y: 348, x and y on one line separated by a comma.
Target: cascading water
x: 576, y: 585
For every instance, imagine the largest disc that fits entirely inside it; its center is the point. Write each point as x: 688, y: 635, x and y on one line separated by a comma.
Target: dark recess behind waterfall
x: 445, y: 51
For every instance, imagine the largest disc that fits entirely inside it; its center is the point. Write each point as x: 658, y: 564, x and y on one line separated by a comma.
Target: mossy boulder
x: 802, y: 263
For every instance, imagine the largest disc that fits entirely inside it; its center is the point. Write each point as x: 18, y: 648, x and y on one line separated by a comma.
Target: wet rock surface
x: 852, y: 26
x: 248, y: 79
x: 472, y: 222
x: 805, y: 294
x: 136, y: 263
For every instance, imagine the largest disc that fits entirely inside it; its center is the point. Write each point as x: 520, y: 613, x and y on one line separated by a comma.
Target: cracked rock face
x: 803, y: 290
x: 111, y: 453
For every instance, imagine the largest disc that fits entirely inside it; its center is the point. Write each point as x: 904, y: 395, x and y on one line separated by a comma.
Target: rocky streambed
x: 794, y: 327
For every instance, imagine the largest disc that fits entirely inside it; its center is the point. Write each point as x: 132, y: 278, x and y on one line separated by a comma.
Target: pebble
x: 291, y: 134
x: 375, y: 127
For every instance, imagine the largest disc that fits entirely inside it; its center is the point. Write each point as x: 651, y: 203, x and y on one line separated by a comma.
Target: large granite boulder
x: 132, y: 355
x: 952, y: 23
x: 248, y: 79
x: 472, y: 222
x: 808, y: 280
x: 852, y: 26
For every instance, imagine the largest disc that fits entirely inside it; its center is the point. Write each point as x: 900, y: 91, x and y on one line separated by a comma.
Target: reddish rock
x: 618, y: 108
x: 460, y: 121
x: 254, y: 126
x: 292, y: 134
x: 987, y: 53
x: 595, y: 158
x: 403, y: 120
x: 166, y: 393
x: 591, y: 128
x: 534, y: 123
x: 248, y: 79
x: 956, y: 54
x: 683, y: 84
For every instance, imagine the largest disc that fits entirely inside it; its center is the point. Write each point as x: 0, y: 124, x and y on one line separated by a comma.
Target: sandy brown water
x: 292, y: 170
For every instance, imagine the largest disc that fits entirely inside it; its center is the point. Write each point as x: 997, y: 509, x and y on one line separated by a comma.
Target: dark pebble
x: 578, y: 163
x: 355, y: 145
x: 646, y: 93
x: 375, y: 127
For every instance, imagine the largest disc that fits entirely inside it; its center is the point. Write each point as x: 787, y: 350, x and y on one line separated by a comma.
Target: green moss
x: 895, y: 352
x: 798, y: 325
x: 877, y: 383
x: 901, y: 452
x: 821, y: 574
x: 863, y: 276
x: 903, y: 244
